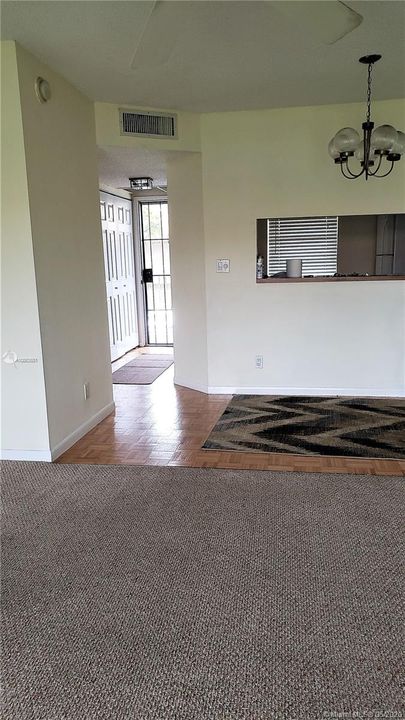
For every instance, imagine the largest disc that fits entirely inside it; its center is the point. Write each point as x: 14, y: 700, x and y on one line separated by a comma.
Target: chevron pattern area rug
x: 339, y: 426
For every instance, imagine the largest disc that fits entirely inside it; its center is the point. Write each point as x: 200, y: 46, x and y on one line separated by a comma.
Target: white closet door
x: 116, y: 224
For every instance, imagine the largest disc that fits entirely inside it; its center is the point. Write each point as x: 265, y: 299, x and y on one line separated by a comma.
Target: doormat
x: 143, y: 370
x: 336, y: 426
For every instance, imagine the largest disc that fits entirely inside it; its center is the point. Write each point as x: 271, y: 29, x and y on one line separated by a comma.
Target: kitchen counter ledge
x: 361, y: 278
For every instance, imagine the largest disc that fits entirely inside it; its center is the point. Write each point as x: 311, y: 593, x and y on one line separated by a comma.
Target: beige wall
x: 188, y: 270
x: 24, y: 416
x: 313, y: 336
x: 61, y: 170
x: 64, y: 203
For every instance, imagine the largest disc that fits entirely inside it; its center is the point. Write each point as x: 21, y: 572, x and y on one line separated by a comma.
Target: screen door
x: 156, y: 272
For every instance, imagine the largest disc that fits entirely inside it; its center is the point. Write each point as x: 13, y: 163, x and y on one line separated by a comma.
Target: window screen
x: 313, y: 239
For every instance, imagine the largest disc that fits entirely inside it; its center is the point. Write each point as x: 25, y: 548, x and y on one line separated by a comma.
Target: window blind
x: 313, y: 239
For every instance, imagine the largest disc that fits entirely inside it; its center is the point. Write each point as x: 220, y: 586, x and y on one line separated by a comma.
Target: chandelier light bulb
x: 384, y: 138
x: 332, y: 149
x: 346, y: 140
x: 399, y: 145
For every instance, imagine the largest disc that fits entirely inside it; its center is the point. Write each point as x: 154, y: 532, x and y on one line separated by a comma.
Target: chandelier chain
x: 370, y: 68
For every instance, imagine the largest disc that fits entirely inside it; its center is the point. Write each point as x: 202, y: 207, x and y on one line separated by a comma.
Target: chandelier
x: 379, y: 149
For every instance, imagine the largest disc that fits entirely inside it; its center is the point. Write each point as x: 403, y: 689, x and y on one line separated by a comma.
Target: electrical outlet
x: 86, y: 390
x: 259, y: 362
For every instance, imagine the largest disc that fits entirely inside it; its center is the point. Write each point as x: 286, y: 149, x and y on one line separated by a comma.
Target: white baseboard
x: 28, y: 455
x: 397, y: 392
x: 192, y: 386
x: 65, y: 444
x: 71, y: 439
x: 322, y: 392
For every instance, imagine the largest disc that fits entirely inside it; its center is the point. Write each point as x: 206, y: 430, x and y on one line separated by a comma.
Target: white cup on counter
x: 294, y: 267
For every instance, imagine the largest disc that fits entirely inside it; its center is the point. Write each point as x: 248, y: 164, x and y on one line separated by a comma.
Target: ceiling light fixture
x: 384, y: 143
x: 141, y: 183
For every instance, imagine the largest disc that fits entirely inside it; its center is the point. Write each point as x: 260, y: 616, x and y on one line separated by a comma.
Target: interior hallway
x: 165, y: 424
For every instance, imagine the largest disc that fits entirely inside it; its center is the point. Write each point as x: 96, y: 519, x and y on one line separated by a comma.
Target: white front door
x: 116, y: 225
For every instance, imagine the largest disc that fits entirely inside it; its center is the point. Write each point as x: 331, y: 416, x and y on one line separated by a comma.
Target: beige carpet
x: 177, y: 594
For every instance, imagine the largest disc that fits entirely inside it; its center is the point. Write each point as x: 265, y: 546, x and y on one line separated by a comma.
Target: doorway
x: 155, y: 257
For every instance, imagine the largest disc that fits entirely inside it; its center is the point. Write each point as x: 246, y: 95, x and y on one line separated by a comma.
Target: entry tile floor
x: 165, y: 424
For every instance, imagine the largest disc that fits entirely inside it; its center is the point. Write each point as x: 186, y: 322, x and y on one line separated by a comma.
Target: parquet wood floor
x: 164, y: 424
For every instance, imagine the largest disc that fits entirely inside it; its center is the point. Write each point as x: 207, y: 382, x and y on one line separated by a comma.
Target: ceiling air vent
x: 148, y: 124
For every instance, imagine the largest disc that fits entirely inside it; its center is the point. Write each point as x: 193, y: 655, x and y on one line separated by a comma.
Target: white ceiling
x: 116, y: 165
x: 211, y: 56
x: 207, y: 56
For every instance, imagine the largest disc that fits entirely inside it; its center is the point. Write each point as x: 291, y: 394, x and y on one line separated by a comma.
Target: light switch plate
x: 223, y: 266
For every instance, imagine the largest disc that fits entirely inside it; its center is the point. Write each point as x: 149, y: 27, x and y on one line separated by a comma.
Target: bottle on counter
x: 259, y: 267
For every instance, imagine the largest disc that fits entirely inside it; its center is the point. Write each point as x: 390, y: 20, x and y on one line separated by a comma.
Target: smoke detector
x: 42, y: 90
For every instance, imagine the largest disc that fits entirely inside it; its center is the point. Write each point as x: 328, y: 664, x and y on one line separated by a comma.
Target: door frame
x: 137, y: 203
x: 140, y: 295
